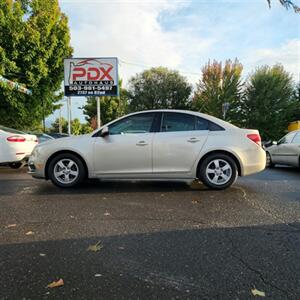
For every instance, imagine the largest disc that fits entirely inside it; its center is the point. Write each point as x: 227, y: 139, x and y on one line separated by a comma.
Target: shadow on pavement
x: 208, y: 263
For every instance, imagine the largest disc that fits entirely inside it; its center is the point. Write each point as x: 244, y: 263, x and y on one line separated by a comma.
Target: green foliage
x: 110, y: 107
x: 34, y: 40
x: 77, y: 128
x: 296, y: 96
x: 269, y: 104
x: 287, y: 4
x: 86, y: 128
x: 217, y: 86
x: 55, y: 125
x: 159, y: 88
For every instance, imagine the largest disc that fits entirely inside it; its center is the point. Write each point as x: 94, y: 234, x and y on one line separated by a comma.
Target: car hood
x: 66, y: 141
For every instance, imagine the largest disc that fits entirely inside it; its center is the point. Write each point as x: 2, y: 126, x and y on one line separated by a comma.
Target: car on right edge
x: 286, y: 151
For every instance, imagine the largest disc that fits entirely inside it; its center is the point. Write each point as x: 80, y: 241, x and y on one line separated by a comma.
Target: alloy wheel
x: 66, y: 171
x: 218, y: 171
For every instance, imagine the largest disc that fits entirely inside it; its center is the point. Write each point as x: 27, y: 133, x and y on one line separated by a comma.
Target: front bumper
x: 36, y: 169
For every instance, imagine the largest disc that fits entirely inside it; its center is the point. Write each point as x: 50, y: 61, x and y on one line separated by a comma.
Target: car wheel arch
x: 224, y: 152
x: 65, y: 152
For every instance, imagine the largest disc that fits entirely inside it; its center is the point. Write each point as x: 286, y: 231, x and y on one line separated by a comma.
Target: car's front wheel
x: 66, y: 170
x: 218, y: 171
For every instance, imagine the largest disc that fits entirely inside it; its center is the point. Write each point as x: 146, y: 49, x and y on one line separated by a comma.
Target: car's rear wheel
x: 218, y: 171
x: 269, y: 162
x: 66, y: 170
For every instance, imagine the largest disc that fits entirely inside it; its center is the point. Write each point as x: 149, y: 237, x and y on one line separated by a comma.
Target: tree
x: 86, y: 128
x: 110, y: 107
x: 269, y: 104
x: 287, y: 4
x: 77, y: 128
x: 296, y: 96
x: 55, y: 125
x: 217, y: 86
x: 158, y: 88
x: 34, y: 40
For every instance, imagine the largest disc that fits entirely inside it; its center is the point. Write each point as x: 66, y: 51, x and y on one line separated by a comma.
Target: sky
x: 182, y: 35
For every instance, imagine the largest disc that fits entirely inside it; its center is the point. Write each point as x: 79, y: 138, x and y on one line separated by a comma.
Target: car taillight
x: 16, y: 139
x: 254, y: 137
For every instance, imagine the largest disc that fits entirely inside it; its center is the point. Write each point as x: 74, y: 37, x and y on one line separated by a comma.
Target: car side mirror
x: 274, y: 143
x: 104, y: 132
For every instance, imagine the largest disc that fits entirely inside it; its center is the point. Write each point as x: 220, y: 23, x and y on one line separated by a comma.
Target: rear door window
x: 177, y: 122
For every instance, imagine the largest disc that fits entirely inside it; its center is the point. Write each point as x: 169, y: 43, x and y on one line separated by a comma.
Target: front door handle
x: 142, y: 143
x: 193, y: 140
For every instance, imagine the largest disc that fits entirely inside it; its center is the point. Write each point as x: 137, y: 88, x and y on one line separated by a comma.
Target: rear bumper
x: 254, y: 162
x: 15, y: 159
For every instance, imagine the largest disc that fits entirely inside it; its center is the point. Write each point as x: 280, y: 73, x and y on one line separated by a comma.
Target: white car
x: 15, y: 146
x: 155, y: 145
x: 286, y: 151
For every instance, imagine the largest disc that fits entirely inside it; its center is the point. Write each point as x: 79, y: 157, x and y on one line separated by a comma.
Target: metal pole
x: 44, y: 123
x: 69, y: 114
x: 59, y: 122
x: 98, y: 113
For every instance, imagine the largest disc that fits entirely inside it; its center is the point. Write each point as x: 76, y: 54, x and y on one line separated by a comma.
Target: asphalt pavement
x: 151, y: 240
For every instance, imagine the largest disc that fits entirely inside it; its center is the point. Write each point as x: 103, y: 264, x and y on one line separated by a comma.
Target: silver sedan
x: 155, y: 145
x: 286, y: 151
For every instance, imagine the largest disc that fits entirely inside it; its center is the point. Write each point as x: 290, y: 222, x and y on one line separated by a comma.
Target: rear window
x: 215, y: 127
x: 10, y: 130
x: 203, y: 124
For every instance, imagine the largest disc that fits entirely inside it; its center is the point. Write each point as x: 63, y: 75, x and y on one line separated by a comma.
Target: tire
x: 211, y: 171
x: 66, y: 170
x: 269, y: 163
x: 17, y: 165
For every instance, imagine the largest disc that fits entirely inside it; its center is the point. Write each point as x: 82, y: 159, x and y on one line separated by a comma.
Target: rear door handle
x: 141, y: 143
x: 193, y: 140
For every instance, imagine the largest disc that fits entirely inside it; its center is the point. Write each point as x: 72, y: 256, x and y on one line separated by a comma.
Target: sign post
x: 98, y: 113
x: 59, y: 123
x: 225, y: 107
x: 69, y: 115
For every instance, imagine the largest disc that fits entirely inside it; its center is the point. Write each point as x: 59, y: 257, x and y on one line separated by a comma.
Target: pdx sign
x: 91, y: 76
